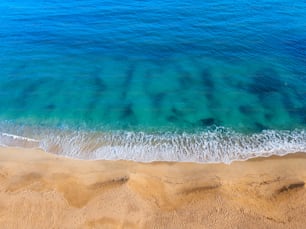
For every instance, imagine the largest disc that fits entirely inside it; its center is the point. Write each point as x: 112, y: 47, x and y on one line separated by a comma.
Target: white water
x: 218, y: 145
x: 15, y: 140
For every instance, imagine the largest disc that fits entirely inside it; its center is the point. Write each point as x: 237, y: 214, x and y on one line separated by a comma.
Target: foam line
x: 19, y: 137
x: 17, y: 141
x: 209, y: 146
x: 220, y: 145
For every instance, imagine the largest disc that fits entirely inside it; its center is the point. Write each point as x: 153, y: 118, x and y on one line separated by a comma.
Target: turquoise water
x: 163, y: 80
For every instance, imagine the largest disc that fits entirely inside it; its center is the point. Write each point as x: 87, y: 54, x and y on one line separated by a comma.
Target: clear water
x: 154, y: 80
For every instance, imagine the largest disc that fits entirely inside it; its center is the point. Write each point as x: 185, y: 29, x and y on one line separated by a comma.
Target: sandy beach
x: 40, y: 190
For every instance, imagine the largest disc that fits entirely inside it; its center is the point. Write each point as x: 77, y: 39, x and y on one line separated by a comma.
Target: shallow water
x: 123, y: 73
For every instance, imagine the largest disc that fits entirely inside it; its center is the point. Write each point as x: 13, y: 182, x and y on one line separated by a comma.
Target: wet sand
x: 40, y: 190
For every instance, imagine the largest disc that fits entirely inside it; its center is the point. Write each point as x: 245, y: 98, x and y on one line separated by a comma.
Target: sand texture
x: 40, y: 190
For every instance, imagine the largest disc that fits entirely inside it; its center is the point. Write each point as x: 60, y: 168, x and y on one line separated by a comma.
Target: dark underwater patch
x: 128, y: 115
x: 207, y: 81
x: 259, y: 127
x: 157, y: 99
x: 127, y: 111
x: 269, y: 116
x: 208, y: 85
x: 172, y: 118
x: 185, y: 80
x: 246, y: 110
x: 208, y: 122
x: 32, y: 87
x: 28, y: 91
x: 176, y: 112
x: 300, y: 114
x: 176, y: 115
x: 128, y: 80
x: 50, y: 107
x: 99, y: 84
x: 99, y: 88
x: 264, y: 82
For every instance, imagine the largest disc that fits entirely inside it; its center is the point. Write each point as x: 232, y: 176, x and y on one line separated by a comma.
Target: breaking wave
x: 216, y: 145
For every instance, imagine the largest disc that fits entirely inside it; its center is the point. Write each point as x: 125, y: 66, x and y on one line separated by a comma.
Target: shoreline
x: 50, y: 191
x: 222, y: 145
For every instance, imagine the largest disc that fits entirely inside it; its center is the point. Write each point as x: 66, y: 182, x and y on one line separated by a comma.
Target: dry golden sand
x: 40, y: 190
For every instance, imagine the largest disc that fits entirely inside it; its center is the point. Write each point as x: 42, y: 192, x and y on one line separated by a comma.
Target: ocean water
x: 208, y: 81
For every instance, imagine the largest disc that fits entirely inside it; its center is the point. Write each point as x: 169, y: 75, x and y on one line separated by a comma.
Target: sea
x: 160, y: 80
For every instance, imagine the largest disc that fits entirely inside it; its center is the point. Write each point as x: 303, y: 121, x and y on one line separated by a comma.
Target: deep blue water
x: 154, y: 80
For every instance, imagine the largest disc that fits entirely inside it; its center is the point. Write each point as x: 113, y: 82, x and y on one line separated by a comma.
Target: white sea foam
x: 15, y: 140
x: 218, y: 145
x: 19, y: 137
